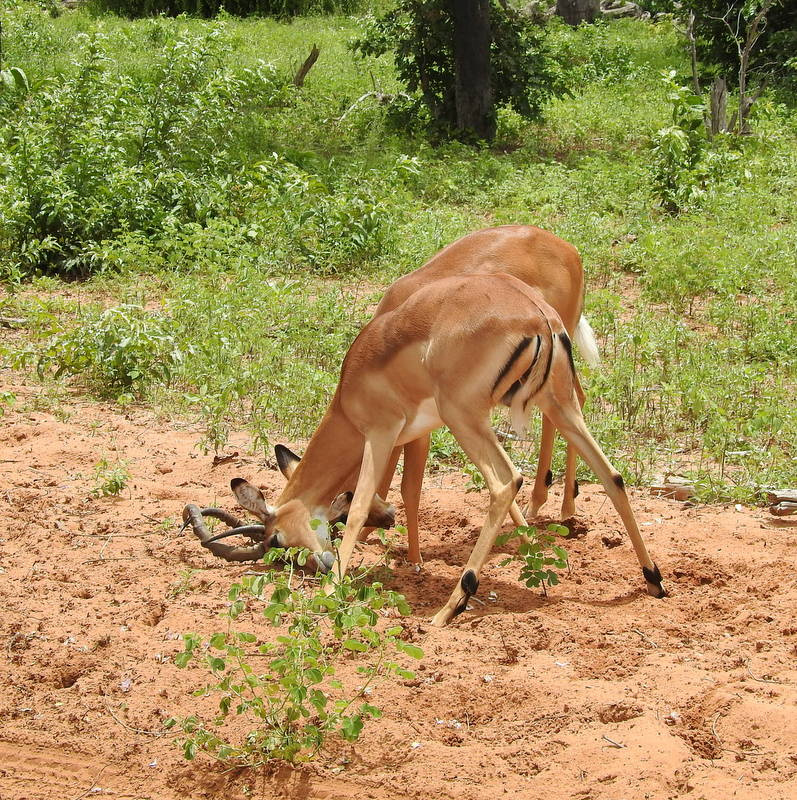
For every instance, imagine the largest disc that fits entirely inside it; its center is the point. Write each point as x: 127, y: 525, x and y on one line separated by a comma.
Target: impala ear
x: 380, y: 515
x: 251, y: 498
x: 286, y: 459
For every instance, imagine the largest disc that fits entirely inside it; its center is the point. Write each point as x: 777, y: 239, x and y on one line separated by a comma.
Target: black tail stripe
x: 524, y: 377
x: 565, y: 340
x: 544, y: 378
x: 524, y: 343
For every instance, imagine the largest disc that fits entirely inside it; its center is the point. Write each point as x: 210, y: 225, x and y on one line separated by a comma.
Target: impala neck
x: 333, y: 455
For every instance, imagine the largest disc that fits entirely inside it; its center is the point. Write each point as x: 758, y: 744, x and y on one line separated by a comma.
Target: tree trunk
x: 473, y: 90
x: 718, y: 119
x: 576, y: 11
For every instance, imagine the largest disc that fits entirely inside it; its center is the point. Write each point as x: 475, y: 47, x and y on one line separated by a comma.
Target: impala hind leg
x: 415, y: 454
x: 571, y: 484
x: 544, y: 478
x: 503, y: 482
x: 568, y: 419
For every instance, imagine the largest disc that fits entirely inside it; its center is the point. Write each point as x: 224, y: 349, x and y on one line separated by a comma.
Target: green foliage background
x: 242, y: 229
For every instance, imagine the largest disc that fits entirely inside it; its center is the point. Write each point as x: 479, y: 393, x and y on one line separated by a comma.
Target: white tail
x: 584, y: 338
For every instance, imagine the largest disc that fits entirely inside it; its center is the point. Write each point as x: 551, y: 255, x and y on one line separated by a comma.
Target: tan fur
x: 539, y: 259
x: 449, y: 341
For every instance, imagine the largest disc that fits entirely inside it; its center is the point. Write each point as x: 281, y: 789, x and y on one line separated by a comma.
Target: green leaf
x: 354, y: 644
x: 313, y: 675
x: 351, y: 727
x: 182, y: 659
x: 410, y: 649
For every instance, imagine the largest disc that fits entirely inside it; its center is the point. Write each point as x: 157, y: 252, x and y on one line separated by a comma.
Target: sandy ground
x: 597, y: 692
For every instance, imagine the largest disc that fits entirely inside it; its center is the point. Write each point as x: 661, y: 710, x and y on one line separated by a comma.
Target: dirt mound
x: 597, y: 691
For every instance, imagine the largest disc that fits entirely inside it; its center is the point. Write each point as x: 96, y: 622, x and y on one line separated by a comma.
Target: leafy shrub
x: 589, y: 54
x: 242, y: 8
x: 679, y: 174
x: 292, y: 694
x: 110, y: 478
x: 420, y: 35
x: 330, y: 228
x: 96, y: 154
x: 117, y: 352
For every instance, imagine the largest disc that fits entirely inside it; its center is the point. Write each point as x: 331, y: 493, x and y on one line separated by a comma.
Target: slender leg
x: 376, y: 453
x: 543, y: 478
x: 503, y: 481
x: 567, y: 418
x: 387, y: 478
x: 571, y: 484
x: 517, y: 515
x: 415, y: 454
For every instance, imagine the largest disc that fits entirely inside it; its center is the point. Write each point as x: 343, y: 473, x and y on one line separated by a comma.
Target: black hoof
x: 653, y: 581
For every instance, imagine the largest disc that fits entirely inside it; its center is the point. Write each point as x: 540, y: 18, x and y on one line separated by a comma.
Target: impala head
x: 381, y: 515
x: 289, y: 525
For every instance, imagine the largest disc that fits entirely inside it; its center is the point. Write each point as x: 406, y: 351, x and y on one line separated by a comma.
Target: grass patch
x: 234, y: 293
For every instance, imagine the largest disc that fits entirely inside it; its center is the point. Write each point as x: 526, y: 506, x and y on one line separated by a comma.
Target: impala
x: 448, y: 354
x: 539, y: 259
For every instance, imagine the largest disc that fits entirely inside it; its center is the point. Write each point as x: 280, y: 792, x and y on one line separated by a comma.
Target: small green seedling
x: 110, y: 478
x: 538, y: 554
x: 183, y: 585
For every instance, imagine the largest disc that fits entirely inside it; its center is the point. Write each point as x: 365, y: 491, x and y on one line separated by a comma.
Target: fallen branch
x: 381, y: 97
x: 763, y: 680
x: 130, y: 727
x: 674, y: 487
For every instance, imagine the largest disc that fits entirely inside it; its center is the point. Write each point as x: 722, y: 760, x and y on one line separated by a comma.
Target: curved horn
x: 193, y: 515
x: 257, y: 533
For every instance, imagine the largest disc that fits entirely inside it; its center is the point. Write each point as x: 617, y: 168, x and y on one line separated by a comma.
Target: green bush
x: 289, y: 687
x: 242, y: 8
x: 117, y: 352
x: 96, y: 155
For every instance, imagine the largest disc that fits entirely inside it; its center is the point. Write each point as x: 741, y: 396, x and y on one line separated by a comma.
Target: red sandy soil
x: 597, y: 692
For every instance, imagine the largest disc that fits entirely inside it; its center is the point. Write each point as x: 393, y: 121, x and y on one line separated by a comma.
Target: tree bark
x: 473, y: 88
x: 574, y: 12
x: 718, y: 118
x: 298, y: 78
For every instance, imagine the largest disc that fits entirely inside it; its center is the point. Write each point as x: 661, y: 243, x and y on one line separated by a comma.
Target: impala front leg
x: 375, y: 458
